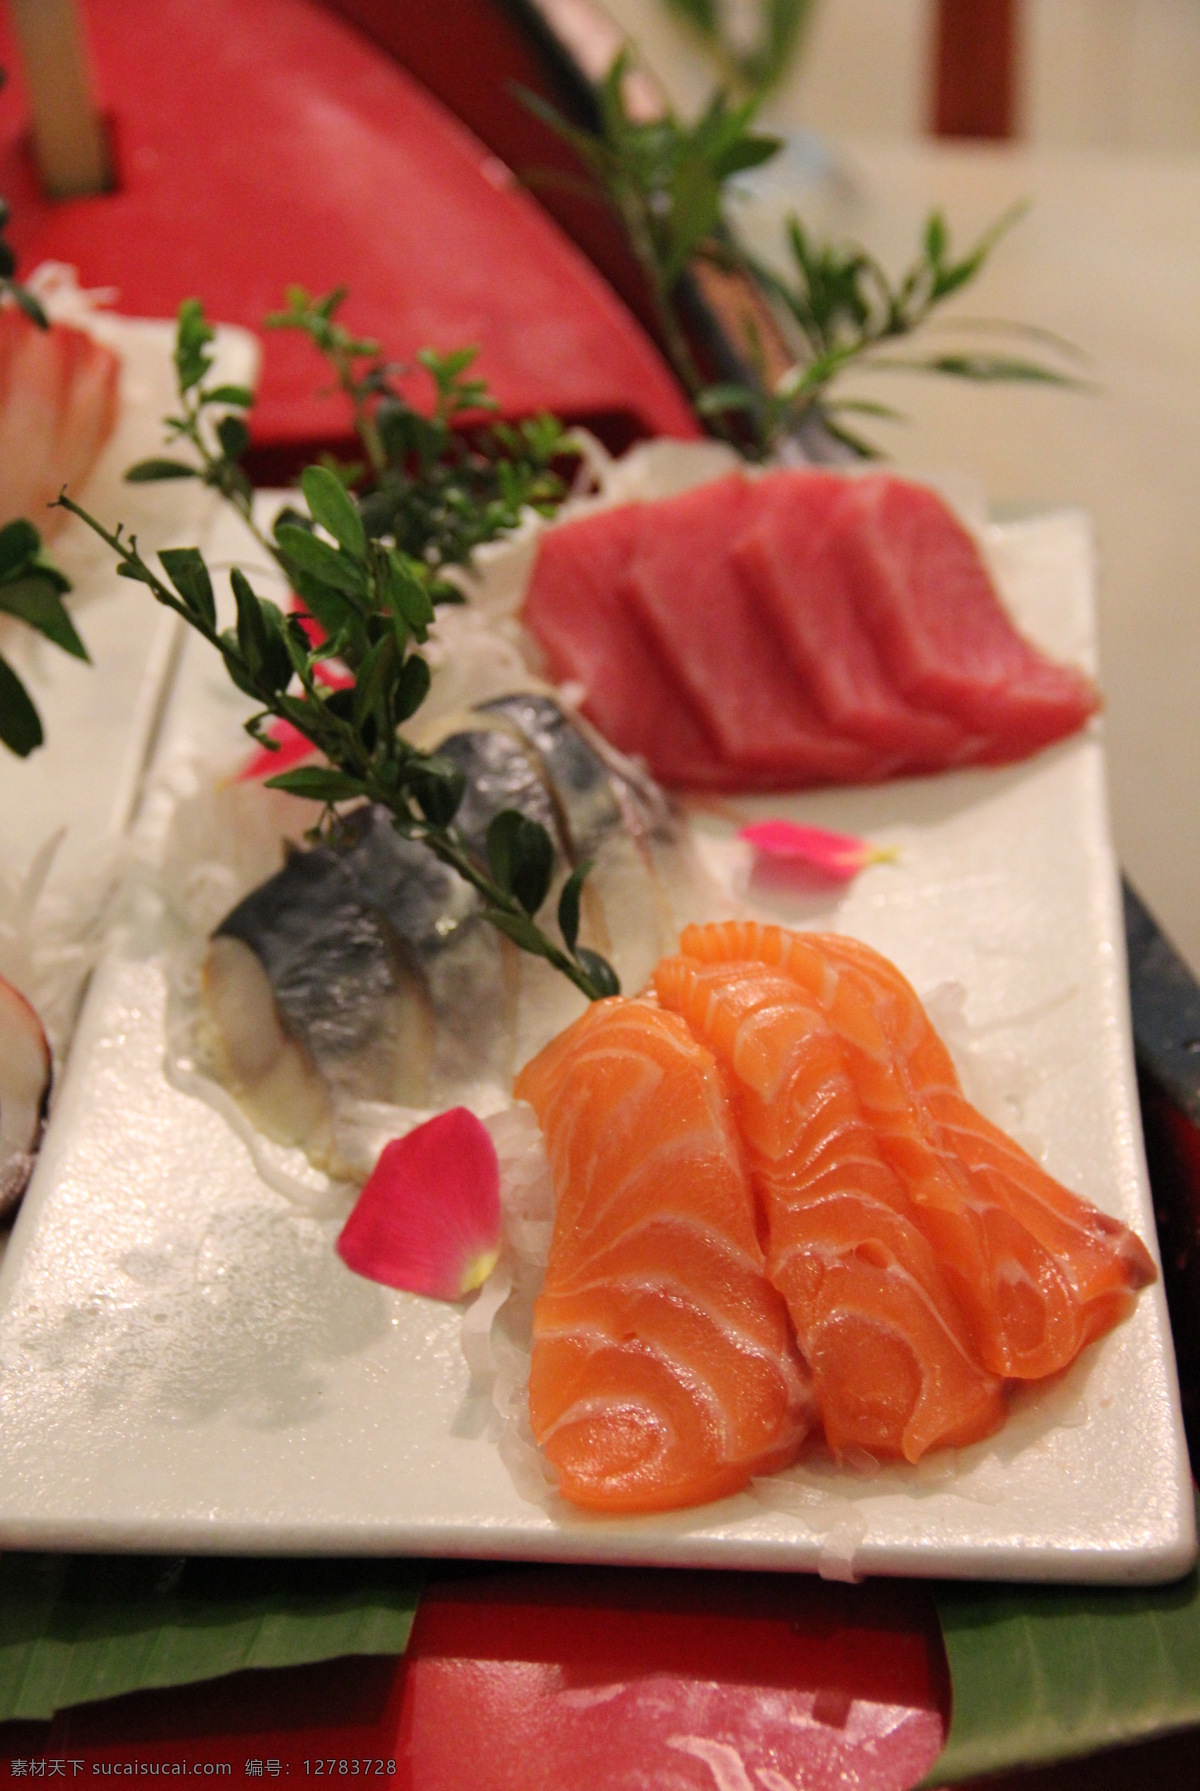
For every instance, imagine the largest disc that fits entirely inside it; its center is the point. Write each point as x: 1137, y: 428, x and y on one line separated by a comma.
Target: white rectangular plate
x: 185, y: 1363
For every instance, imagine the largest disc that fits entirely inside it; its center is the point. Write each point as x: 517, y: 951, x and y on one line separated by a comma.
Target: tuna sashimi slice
x: 724, y: 649
x: 791, y: 554
x: 895, y: 1369
x: 589, y: 634
x: 922, y: 588
x: 664, y: 1372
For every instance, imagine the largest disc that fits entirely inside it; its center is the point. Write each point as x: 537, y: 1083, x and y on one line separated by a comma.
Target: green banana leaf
x: 1042, y: 1673
x: 78, y: 1628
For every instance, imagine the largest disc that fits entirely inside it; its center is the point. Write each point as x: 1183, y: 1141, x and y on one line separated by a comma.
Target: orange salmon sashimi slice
x: 664, y: 1370
x: 1038, y: 1271
x: 895, y: 1369
x: 1059, y: 1272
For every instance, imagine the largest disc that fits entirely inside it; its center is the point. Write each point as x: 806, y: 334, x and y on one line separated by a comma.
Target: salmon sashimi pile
x: 58, y: 407
x: 797, y: 629
x: 778, y: 1215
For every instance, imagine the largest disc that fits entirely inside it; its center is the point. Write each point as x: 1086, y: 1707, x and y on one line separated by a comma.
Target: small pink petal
x: 838, y: 856
x: 428, y: 1219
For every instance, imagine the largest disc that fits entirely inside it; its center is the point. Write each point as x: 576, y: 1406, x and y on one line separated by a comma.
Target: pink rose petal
x: 428, y: 1219
x: 838, y: 856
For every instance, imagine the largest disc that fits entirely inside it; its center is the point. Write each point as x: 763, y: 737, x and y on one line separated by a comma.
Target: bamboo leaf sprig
x: 369, y: 605
x: 667, y: 181
x: 845, y: 313
x: 753, y: 55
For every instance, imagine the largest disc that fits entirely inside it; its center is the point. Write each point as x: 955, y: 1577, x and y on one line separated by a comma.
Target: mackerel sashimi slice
x: 920, y: 584
x: 724, y: 648
x: 894, y: 1363
x: 792, y: 555
x: 664, y: 1372
x: 575, y: 608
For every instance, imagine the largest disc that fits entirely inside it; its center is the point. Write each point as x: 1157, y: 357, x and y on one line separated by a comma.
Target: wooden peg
x: 69, y: 138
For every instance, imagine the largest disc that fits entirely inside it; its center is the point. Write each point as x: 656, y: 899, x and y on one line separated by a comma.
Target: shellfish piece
x: 664, y: 1373
x: 58, y: 408
x: 26, y: 1073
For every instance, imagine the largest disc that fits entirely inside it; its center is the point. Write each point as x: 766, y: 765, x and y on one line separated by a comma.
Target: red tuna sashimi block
x: 589, y: 634
x: 715, y: 635
x: 923, y: 590
x: 792, y: 556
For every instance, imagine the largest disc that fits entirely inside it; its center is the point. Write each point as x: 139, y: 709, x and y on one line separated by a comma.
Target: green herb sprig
x: 210, y: 419
x: 369, y: 603
x: 32, y: 590
x: 749, y: 64
x: 667, y: 181
x: 440, y: 481
x: 844, y: 313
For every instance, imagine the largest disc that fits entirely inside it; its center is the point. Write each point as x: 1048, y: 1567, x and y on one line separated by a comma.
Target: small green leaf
x: 331, y: 505
x: 330, y: 608
x: 150, y: 472
x: 714, y: 401
x: 407, y: 594
x: 935, y: 237
x: 235, y: 664
x: 277, y: 661
x: 439, y: 786
x: 241, y: 396
x: 987, y: 369
x: 31, y: 306
x: 601, y: 973
x: 327, y: 563
x: 233, y: 436
x: 193, y: 335
x: 20, y: 544
x: 412, y: 687
x: 252, y: 636
x: 37, y: 602
x: 318, y: 784
x: 20, y: 728
x: 516, y: 927
x: 521, y: 854
x: 185, y: 568
x: 374, y: 676
x: 502, y: 830
x: 568, y: 906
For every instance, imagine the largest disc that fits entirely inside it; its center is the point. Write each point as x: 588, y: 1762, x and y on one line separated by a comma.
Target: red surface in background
x: 567, y: 1679
x: 264, y: 142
